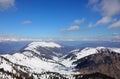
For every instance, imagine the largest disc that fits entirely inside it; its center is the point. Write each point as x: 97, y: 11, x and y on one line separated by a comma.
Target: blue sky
x: 68, y: 20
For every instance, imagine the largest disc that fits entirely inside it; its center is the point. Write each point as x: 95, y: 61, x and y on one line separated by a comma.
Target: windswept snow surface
x: 5, y: 65
x: 116, y: 50
x: 37, y: 65
x: 34, y: 45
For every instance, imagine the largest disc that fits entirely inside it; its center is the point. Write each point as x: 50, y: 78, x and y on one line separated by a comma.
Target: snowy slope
x: 42, y: 49
x: 37, y: 58
x: 34, y: 45
x: 78, y: 54
x: 56, y: 64
x: 6, y: 65
x: 115, y: 49
x: 37, y: 65
x: 10, y: 70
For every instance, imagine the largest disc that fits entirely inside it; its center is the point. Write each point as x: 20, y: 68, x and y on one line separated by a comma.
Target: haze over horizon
x: 62, y: 20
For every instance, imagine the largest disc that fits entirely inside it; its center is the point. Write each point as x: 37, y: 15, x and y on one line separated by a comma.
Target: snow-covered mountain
x: 38, y: 56
x: 47, y: 50
x: 42, y: 50
x: 90, y: 60
x: 40, y: 60
x: 76, y: 54
x: 10, y: 70
x: 43, y: 44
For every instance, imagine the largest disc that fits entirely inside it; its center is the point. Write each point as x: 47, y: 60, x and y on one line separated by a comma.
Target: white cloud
x: 26, y: 22
x: 7, y: 37
x: 79, y: 21
x: 110, y: 7
x: 71, y: 28
x: 115, y: 34
x: 13, y: 37
x: 90, y: 25
x: 92, y: 2
x: 104, y: 20
x: 6, y: 4
x: 19, y: 39
x: 105, y: 7
x: 114, y: 25
x: 116, y: 37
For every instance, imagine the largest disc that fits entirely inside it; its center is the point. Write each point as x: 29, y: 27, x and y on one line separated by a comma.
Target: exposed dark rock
x: 104, y: 61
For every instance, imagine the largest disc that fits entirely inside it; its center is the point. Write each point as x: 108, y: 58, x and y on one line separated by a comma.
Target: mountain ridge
x: 37, y: 63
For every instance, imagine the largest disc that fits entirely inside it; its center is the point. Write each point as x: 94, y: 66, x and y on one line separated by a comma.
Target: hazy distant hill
x: 10, y: 47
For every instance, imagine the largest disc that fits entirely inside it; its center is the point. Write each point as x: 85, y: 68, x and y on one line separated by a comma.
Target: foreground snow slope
x: 37, y: 65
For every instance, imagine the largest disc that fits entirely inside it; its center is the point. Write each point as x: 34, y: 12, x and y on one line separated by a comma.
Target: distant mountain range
x: 11, y: 46
x: 50, y: 60
x: 14, y: 46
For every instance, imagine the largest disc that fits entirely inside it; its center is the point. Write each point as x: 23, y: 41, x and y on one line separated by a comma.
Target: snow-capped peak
x: 77, y: 54
x: 44, y: 44
x: 100, y: 47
